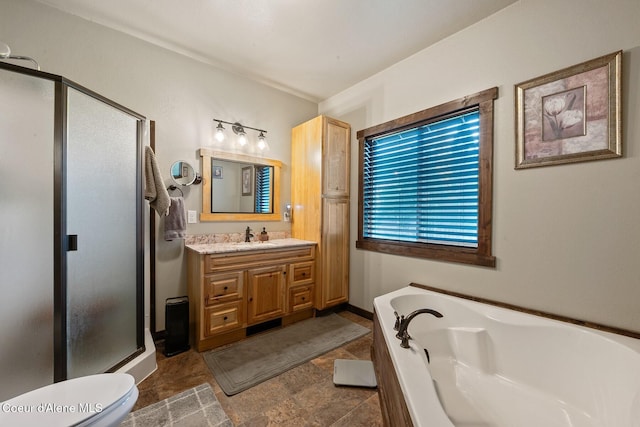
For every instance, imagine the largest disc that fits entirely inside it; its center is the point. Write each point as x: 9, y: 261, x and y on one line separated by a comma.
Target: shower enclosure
x: 72, y: 239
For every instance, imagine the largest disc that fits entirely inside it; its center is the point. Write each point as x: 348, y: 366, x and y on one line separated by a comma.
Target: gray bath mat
x: 254, y: 360
x: 197, y: 406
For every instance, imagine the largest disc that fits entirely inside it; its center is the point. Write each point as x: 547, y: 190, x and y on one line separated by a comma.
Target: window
x: 426, y: 183
x: 263, y: 189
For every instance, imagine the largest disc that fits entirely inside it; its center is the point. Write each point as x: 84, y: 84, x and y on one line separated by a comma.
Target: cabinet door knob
x: 250, y: 299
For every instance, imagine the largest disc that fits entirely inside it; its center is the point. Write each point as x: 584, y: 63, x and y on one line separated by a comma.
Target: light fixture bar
x: 239, y: 124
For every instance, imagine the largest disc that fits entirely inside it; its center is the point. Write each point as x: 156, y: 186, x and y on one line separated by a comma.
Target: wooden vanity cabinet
x: 230, y: 291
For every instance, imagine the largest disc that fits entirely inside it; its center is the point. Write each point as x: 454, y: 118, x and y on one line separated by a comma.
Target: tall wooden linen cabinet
x: 320, y: 162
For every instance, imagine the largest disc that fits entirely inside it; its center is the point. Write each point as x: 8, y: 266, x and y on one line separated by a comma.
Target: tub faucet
x: 402, y: 334
x: 247, y: 235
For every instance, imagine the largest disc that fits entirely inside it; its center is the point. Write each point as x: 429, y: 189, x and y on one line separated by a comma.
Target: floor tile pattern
x: 303, y: 396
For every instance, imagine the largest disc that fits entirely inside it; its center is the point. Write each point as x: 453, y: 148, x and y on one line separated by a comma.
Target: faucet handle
x: 397, y: 324
x: 400, y: 326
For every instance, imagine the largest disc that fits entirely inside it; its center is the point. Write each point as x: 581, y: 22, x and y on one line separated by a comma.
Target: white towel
x: 154, y: 190
x: 175, y: 223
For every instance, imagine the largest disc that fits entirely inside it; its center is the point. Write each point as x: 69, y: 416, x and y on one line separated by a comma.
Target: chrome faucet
x: 247, y: 235
x: 403, y: 324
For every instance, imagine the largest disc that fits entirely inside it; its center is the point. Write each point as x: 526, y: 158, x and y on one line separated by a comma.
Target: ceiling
x: 311, y: 48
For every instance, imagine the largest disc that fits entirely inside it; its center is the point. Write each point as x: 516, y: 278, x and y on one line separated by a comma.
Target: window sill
x: 428, y: 251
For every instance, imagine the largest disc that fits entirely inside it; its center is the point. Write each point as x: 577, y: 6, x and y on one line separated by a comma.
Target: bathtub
x: 485, y: 365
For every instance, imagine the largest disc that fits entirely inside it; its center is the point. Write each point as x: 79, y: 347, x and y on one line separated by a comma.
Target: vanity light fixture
x: 239, y: 130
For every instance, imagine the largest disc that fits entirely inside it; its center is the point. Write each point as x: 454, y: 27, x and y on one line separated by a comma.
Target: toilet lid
x: 67, y: 402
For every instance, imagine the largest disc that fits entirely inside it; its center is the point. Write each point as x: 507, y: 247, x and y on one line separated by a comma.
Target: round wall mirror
x: 183, y: 173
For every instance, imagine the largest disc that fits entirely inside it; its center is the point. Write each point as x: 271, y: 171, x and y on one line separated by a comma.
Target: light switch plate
x: 192, y: 217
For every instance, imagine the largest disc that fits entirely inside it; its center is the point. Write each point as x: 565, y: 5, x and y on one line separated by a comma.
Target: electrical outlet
x: 192, y: 217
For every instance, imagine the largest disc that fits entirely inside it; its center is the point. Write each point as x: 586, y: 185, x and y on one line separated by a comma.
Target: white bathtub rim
x: 412, y: 359
x: 414, y: 377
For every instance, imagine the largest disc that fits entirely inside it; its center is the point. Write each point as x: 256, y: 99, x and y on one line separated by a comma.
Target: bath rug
x: 247, y: 363
x: 197, y: 406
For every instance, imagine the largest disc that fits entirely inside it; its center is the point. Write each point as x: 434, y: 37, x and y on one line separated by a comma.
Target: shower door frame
x: 61, y: 239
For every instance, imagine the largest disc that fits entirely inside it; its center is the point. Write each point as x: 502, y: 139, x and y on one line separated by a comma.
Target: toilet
x: 101, y: 400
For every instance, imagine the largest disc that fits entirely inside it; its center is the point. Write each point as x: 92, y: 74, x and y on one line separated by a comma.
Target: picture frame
x: 571, y: 115
x: 247, y: 180
x: 216, y: 172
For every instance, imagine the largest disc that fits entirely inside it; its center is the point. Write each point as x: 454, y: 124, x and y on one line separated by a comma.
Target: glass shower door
x: 26, y: 233
x: 101, y: 218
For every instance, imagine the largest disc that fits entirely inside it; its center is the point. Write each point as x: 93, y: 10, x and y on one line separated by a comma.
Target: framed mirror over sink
x: 237, y: 187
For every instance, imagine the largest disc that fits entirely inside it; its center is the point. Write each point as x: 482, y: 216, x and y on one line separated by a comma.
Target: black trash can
x: 176, y: 326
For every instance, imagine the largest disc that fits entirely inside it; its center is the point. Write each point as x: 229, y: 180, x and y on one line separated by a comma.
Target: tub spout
x: 402, y: 334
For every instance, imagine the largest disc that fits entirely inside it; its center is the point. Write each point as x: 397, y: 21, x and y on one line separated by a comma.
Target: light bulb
x: 220, y: 132
x: 242, y: 139
x: 262, y: 144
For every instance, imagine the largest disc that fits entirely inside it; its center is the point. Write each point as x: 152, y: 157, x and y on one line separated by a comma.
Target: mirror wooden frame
x: 206, y: 215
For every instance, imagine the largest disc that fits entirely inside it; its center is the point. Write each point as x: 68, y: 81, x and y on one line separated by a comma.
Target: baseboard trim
x: 360, y: 312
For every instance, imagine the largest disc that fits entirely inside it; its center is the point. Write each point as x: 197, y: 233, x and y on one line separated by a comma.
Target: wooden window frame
x: 482, y: 255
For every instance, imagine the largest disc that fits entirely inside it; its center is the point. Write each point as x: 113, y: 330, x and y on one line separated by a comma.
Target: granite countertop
x: 218, y: 248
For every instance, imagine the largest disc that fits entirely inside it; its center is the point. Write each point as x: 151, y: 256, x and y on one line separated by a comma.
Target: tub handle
x: 397, y: 325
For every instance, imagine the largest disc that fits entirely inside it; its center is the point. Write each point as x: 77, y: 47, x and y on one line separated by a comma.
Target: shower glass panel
x: 27, y: 233
x: 102, y: 152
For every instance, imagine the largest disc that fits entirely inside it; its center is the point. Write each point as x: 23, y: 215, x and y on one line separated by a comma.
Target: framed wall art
x: 246, y: 180
x: 571, y: 115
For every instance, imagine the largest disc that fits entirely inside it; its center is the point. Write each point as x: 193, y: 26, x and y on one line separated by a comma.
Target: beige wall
x: 566, y: 238
x: 182, y: 95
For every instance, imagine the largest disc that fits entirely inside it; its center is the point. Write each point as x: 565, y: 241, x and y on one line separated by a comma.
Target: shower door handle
x: 72, y: 242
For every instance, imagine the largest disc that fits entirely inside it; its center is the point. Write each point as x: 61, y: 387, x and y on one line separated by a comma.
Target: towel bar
x: 173, y: 187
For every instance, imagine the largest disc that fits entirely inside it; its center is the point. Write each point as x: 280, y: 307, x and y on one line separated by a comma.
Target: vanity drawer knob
x: 225, y: 318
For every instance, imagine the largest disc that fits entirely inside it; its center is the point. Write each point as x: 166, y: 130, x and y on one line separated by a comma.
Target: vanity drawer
x: 301, y: 273
x: 300, y: 297
x: 256, y: 258
x: 223, y: 287
x: 222, y: 317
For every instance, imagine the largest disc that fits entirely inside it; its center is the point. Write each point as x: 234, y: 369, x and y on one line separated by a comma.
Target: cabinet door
x: 335, y: 253
x: 335, y: 158
x: 266, y: 293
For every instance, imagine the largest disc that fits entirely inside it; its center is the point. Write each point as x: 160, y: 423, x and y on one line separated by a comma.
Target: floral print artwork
x: 567, y: 116
x: 563, y: 114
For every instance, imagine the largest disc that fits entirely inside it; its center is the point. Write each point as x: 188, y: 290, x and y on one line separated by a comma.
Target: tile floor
x: 303, y: 396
